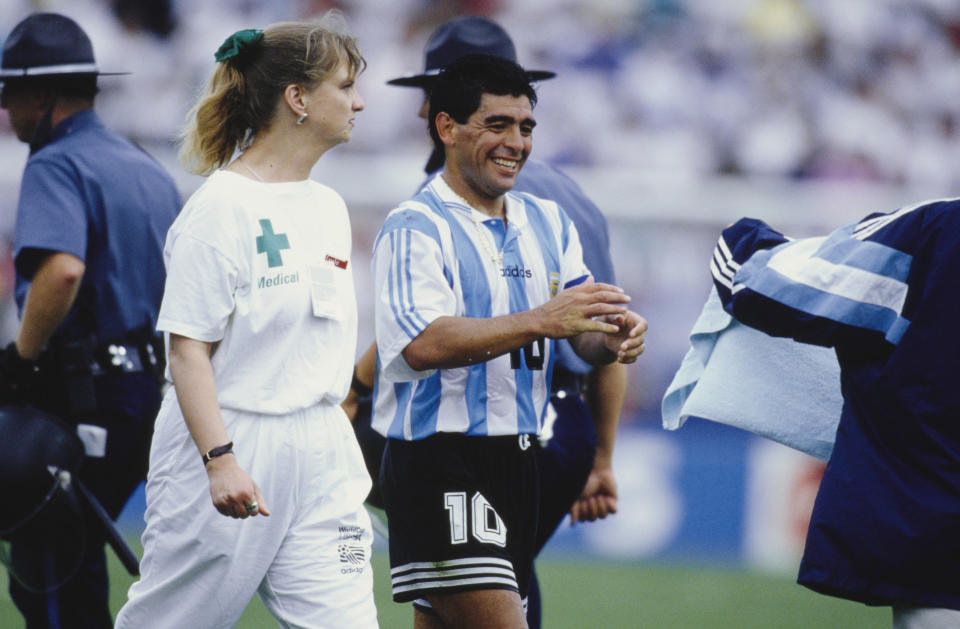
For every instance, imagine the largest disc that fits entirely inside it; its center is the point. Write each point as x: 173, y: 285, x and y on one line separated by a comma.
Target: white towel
x: 774, y: 387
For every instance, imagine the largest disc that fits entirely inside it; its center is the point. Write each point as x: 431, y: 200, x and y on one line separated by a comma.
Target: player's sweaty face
x: 494, y: 143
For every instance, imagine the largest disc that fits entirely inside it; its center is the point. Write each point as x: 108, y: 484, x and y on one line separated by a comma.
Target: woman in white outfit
x: 260, y: 316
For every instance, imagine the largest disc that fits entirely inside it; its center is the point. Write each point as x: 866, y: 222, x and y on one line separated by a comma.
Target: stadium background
x: 677, y: 117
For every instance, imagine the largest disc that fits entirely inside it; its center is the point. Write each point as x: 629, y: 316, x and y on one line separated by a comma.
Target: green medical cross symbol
x: 271, y: 243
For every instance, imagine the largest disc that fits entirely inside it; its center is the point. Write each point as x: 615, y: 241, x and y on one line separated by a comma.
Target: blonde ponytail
x: 242, y: 94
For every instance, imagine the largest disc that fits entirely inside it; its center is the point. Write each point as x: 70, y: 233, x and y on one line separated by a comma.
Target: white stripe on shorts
x: 428, y: 575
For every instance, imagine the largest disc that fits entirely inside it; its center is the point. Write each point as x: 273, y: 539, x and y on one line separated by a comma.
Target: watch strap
x: 218, y: 451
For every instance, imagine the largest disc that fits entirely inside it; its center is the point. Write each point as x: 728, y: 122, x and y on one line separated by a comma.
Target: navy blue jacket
x: 885, y: 292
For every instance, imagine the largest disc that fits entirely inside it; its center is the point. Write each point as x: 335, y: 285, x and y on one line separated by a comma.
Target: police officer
x: 92, y: 216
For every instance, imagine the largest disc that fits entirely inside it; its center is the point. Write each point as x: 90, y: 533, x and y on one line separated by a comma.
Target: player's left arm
x: 624, y: 346
x: 597, y: 348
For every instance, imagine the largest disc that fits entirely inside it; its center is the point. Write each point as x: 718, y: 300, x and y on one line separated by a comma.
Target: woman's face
x: 331, y: 107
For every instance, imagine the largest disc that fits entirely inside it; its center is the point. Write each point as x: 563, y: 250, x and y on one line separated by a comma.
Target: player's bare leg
x: 480, y: 609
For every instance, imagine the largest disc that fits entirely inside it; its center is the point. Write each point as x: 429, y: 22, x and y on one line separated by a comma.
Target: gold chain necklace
x: 497, y: 258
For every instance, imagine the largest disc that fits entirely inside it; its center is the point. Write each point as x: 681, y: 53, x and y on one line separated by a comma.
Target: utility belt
x: 84, y: 356
x: 567, y: 382
x: 125, y: 358
x: 72, y: 366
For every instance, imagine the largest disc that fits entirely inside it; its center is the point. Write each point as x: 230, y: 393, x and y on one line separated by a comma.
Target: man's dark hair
x: 460, y: 87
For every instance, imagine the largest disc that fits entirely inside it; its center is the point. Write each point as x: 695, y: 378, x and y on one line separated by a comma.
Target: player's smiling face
x: 493, y: 144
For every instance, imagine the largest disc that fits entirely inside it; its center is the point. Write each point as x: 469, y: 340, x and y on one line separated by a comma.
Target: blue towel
x: 774, y: 387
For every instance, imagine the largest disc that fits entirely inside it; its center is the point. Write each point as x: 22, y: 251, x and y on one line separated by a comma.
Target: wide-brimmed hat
x: 45, y: 45
x: 460, y: 37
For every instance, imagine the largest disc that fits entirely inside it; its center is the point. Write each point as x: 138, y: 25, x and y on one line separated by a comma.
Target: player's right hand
x: 581, y: 308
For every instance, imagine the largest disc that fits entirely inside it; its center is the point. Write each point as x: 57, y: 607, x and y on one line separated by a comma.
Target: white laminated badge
x: 323, y: 291
x: 94, y: 440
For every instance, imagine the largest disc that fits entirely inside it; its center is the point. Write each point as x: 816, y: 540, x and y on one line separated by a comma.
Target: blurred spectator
x: 156, y: 17
x: 777, y: 88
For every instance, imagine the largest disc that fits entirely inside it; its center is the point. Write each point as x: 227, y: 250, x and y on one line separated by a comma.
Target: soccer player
x: 883, y: 291
x: 472, y: 284
x: 585, y: 400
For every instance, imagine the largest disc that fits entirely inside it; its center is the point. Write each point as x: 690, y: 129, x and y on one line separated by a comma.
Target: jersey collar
x: 515, y: 209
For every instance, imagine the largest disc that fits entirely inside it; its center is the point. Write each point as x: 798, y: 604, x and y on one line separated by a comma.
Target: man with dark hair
x: 92, y: 216
x: 586, y: 400
x: 460, y: 104
x: 471, y: 281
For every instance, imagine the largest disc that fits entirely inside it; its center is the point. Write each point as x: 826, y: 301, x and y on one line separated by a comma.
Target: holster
x: 71, y: 368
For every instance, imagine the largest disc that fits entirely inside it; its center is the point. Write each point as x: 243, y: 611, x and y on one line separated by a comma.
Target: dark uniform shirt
x: 97, y: 196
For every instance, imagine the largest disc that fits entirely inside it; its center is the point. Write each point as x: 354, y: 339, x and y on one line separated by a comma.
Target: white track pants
x: 309, y: 561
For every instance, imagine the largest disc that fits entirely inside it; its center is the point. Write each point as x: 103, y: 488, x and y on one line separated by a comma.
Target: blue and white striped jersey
x: 885, y: 292
x: 435, y: 256
x: 853, y: 281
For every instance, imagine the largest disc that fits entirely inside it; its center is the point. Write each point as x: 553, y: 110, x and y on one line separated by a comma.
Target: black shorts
x: 462, y: 513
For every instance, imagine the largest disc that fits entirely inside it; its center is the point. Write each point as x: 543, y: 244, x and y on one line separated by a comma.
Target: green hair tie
x: 237, y: 43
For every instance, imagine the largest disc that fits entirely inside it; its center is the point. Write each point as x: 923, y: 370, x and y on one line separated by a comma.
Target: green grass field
x: 587, y: 595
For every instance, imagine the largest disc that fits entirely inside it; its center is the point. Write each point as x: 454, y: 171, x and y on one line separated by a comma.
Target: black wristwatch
x: 218, y: 451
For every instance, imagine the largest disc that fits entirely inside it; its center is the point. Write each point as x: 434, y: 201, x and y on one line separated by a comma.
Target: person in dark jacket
x: 883, y: 292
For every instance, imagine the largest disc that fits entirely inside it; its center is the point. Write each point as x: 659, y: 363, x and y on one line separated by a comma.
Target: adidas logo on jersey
x: 516, y: 271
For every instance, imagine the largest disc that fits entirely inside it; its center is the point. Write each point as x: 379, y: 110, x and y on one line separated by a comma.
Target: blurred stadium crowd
x: 693, y: 92
x: 858, y: 89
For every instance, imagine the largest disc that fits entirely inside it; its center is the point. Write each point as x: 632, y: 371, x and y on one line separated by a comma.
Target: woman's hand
x: 233, y: 492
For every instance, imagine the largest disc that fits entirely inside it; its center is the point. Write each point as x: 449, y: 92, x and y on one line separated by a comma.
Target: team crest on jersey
x: 554, y: 284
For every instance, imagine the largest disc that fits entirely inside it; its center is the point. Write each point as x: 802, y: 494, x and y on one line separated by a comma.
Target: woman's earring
x: 302, y: 117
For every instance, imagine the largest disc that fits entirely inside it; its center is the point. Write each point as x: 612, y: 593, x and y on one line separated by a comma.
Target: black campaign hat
x: 45, y: 45
x: 460, y: 37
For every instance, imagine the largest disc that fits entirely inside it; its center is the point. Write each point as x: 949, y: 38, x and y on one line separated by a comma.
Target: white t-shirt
x: 263, y: 271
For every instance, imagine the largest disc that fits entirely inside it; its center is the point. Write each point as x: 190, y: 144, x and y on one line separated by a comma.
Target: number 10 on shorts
x: 482, y: 518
